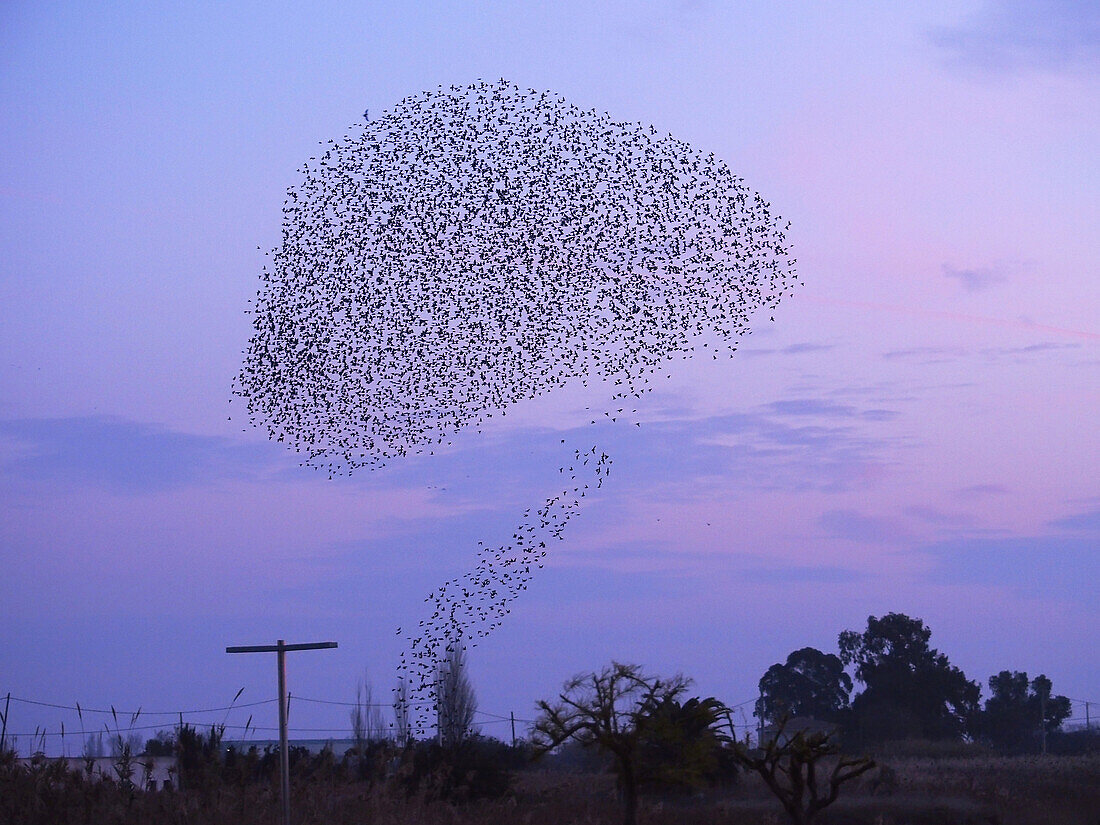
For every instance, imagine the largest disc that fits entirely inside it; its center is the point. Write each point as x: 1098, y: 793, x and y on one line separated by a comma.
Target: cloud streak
x: 1022, y: 35
x: 1060, y: 562
x: 961, y: 317
x: 975, y: 280
x: 124, y: 455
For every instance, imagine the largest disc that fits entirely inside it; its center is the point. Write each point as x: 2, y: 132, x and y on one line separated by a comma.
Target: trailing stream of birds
x: 476, y: 246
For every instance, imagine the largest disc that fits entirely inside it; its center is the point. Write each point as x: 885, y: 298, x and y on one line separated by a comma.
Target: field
x: 1054, y: 790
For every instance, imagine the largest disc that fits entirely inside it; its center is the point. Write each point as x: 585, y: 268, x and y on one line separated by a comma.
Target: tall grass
x: 944, y: 791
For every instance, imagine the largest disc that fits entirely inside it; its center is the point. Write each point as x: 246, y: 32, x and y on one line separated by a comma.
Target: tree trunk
x: 630, y: 793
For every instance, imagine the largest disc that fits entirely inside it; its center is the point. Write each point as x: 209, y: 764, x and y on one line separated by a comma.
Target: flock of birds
x: 476, y: 246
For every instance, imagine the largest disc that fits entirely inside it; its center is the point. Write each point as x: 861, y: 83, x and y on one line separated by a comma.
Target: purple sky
x: 915, y: 432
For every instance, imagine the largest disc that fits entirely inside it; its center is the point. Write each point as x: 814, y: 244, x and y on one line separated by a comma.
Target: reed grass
x: 1053, y: 790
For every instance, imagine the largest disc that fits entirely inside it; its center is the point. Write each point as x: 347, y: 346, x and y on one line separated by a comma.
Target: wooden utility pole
x: 1044, y: 690
x: 7, y: 702
x: 440, y: 707
x: 281, y: 648
x: 179, y: 738
x: 512, y: 714
x: 760, y: 724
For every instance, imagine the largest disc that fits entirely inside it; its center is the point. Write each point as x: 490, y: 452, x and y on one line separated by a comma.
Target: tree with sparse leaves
x: 456, y: 702
x: 804, y: 770
x: 366, y: 718
x: 605, y: 710
x: 401, y: 712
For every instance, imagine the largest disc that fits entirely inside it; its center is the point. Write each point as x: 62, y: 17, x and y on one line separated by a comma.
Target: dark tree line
x: 661, y: 743
x: 909, y: 690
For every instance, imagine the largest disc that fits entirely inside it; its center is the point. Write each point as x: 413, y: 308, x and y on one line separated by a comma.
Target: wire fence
x: 115, y: 723
x: 80, y: 722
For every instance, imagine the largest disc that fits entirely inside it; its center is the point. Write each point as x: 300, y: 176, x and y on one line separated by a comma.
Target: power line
x: 495, y: 715
x: 742, y: 704
x: 362, y: 704
x: 139, y: 711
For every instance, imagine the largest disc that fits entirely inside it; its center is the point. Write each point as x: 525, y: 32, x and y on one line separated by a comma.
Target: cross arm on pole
x: 277, y: 648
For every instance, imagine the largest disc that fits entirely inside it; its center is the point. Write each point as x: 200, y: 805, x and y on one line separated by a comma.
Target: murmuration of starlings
x: 476, y: 246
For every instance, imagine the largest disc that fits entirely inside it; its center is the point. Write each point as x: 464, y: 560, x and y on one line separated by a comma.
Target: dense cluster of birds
x: 480, y: 245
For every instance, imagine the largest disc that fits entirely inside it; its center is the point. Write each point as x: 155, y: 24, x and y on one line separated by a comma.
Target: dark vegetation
x: 923, y: 787
x: 911, y: 691
x: 658, y: 742
x: 622, y: 745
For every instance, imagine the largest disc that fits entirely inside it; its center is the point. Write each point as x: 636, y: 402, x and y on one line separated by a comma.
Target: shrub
x: 478, y: 768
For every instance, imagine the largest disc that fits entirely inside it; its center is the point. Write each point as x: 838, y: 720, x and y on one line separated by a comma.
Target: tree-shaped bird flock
x: 480, y: 245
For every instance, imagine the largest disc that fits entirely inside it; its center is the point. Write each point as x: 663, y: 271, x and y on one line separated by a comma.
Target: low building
x: 782, y: 733
x: 148, y: 772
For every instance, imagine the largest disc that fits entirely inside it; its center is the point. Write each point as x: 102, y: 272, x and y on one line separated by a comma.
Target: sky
x: 910, y: 434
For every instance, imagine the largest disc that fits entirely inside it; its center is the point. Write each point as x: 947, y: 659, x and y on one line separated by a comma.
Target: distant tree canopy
x: 1018, y: 711
x: 911, y: 690
x: 163, y: 744
x: 811, y: 683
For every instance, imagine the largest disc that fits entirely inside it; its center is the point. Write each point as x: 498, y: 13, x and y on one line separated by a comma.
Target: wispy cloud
x: 1087, y: 522
x: 795, y: 443
x: 979, y: 491
x: 828, y: 409
x: 1056, y: 567
x: 938, y: 517
x: 1019, y: 35
x: 976, y: 279
x: 791, y: 349
x: 927, y: 355
x: 647, y: 557
x: 132, y: 457
x: 942, y: 355
x: 1060, y: 562
x: 855, y: 526
x: 800, y: 574
x: 793, y: 449
x: 960, y: 317
x: 124, y: 455
x: 811, y: 407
